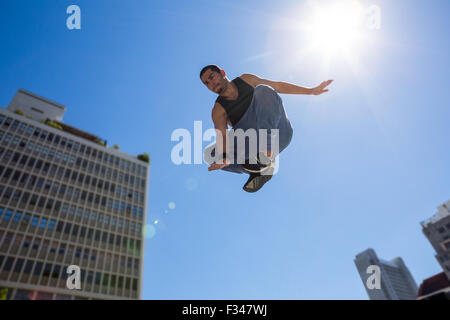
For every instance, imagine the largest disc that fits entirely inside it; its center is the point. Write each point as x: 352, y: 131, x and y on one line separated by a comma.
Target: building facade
x: 67, y: 199
x: 396, y: 282
x: 437, y: 231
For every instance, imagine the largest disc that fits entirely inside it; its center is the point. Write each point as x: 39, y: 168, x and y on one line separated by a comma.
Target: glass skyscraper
x: 397, y: 282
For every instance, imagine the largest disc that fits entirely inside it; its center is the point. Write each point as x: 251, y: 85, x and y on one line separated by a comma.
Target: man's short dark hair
x: 211, y: 67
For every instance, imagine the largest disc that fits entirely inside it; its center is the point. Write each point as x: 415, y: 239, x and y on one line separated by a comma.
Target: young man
x: 249, y: 102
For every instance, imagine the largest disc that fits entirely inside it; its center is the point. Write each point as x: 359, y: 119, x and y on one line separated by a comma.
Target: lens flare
x: 149, y: 231
x: 171, y: 205
x: 191, y: 184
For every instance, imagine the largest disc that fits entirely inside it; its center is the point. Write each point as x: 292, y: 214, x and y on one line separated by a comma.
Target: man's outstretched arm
x: 285, y: 87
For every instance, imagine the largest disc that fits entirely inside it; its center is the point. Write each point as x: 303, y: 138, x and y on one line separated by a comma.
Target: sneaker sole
x: 257, y: 183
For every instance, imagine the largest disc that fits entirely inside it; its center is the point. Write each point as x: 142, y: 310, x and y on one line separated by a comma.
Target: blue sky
x: 368, y: 161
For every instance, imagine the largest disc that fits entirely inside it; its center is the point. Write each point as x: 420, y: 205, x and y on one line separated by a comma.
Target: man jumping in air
x: 249, y: 102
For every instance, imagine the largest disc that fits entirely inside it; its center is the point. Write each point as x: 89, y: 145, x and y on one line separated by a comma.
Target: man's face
x: 214, y: 81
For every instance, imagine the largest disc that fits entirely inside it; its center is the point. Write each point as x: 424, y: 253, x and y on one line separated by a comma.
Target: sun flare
x: 335, y: 28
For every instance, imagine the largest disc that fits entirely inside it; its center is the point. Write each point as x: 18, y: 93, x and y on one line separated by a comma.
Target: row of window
x: 69, y: 145
x: 442, y: 229
x: 20, y: 294
x: 45, y: 223
x: 41, y: 202
x: 85, y: 165
x: 32, y: 295
x: 29, y: 181
x: 57, y: 271
x: 44, y: 246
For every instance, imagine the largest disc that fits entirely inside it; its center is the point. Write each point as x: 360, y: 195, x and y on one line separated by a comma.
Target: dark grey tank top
x: 236, y: 108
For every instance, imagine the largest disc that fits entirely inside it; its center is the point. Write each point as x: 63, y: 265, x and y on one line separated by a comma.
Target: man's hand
x: 218, y: 166
x: 321, y: 88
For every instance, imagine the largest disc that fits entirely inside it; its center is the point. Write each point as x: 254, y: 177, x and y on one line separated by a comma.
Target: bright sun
x: 335, y: 28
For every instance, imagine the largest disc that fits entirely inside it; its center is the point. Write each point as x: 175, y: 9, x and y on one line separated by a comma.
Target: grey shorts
x: 266, y: 111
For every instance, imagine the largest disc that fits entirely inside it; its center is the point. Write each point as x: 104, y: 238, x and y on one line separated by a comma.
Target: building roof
x: 443, y: 212
x: 56, y: 104
x: 438, y: 282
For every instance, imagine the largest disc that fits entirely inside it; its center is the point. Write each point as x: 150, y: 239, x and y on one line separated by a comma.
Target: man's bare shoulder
x: 251, y: 79
x: 218, y: 109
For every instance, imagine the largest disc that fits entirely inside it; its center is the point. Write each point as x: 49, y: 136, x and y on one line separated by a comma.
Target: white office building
x: 67, y: 199
x: 437, y: 231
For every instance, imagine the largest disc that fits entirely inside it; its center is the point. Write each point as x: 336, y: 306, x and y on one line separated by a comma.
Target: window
x: 7, y: 193
x: 56, y: 271
x: 59, y: 226
x: 98, y: 277
x: 105, y: 279
x: 38, y: 269
x: 82, y: 232
x: 34, y: 221
x: 67, y: 228
x: 28, y: 267
x: 51, y: 225
x: 43, y: 223
x: 19, y: 265
x: 8, y: 173
x: 90, y: 276
x: 47, y: 270
x: 8, y: 215
x: 8, y: 264
x: 17, y: 216
x: 24, y: 178
x: 41, y: 202
x: 26, y: 218
x: 17, y: 195
x: 62, y: 249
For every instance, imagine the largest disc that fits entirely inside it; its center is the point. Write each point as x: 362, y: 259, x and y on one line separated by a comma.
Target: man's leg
x: 210, y: 153
x: 271, y: 116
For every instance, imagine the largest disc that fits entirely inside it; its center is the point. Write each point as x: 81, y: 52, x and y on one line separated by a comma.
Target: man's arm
x: 219, y: 117
x: 285, y: 87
